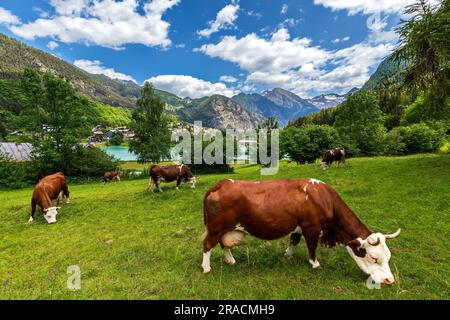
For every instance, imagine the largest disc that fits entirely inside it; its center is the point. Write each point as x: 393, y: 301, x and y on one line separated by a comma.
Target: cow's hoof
x: 30, y: 220
x: 315, y: 264
x: 230, y: 262
x: 206, y: 270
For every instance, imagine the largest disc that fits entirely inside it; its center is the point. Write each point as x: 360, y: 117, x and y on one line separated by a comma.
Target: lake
x: 120, y: 152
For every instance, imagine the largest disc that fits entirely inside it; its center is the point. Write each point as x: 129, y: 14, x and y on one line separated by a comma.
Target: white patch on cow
x: 257, y: 182
x: 193, y: 181
x: 50, y: 214
x: 307, y: 197
x: 376, y: 261
x: 206, y: 262
x: 231, y: 180
x: 305, y: 188
x: 315, y: 264
x: 332, y: 152
x: 229, y: 259
x: 342, y: 152
x: 30, y: 220
x: 315, y: 181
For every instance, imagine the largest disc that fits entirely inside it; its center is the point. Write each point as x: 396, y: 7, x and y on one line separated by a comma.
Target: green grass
x: 131, y: 244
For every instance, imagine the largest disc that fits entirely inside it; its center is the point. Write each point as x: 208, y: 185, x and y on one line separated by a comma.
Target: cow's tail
x: 205, y: 209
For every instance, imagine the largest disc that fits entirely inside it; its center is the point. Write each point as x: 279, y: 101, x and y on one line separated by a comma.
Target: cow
x: 170, y: 173
x: 270, y: 210
x: 110, y: 176
x: 336, y: 154
x: 46, y: 190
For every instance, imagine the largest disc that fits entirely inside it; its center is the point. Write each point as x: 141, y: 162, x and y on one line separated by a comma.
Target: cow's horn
x: 394, y: 235
x: 374, y: 243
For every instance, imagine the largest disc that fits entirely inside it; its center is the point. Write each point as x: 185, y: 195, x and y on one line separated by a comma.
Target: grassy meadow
x: 130, y: 244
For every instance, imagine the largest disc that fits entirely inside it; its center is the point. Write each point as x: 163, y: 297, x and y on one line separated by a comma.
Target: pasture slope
x: 131, y: 244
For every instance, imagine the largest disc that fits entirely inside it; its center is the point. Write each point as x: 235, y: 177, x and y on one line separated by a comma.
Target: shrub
x: 13, y: 175
x: 416, y: 138
x: 306, y: 144
x: 116, y: 139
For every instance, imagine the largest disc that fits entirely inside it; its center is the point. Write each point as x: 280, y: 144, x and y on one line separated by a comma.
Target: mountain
x: 330, y: 100
x: 297, y: 106
x: 387, y: 73
x: 282, y: 104
x: 219, y: 112
x: 15, y: 56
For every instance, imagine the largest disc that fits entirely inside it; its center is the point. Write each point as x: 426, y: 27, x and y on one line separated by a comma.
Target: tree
x: 308, y: 143
x: 425, y: 43
x: 151, y: 142
x: 359, y: 122
x: 116, y: 139
x: 270, y: 123
x: 57, y: 117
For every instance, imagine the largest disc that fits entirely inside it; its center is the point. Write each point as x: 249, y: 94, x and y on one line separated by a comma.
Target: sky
x: 196, y: 48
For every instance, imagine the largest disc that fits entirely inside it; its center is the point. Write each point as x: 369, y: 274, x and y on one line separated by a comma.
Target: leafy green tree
x: 270, y: 123
x: 359, y: 122
x: 308, y: 143
x: 116, y: 139
x: 57, y: 117
x: 425, y: 43
x: 151, y: 142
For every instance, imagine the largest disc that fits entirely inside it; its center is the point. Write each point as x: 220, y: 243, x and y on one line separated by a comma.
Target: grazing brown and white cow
x: 270, y: 210
x: 336, y: 154
x: 110, y: 176
x: 48, y: 189
x: 170, y: 173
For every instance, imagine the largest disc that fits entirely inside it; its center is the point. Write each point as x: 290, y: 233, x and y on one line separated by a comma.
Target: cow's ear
x: 357, y: 249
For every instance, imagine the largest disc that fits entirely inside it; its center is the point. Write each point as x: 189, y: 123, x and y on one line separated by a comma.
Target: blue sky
x: 196, y: 48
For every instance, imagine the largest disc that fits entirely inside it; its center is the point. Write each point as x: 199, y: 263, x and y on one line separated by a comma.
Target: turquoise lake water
x: 120, y: 153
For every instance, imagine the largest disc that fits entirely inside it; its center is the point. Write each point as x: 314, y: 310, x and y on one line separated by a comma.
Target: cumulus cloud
x: 225, y: 19
x: 229, y: 79
x: 297, y: 65
x: 107, y: 23
x: 187, y: 86
x: 96, y: 67
x: 284, y: 8
x: 7, y: 18
x: 366, y: 6
x: 52, y: 45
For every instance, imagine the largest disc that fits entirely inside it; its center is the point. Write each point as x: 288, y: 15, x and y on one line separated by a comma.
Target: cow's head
x: 372, y: 256
x: 193, y: 181
x: 50, y: 214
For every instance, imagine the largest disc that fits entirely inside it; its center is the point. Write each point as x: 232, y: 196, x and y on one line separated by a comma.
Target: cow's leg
x: 178, y: 183
x: 58, y: 200
x: 295, y: 240
x: 66, y: 193
x: 229, y: 259
x: 158, y: 185
x: 210, y: 241
x: 33, y: 210
x: 150, y: 184
x: 312, y: 238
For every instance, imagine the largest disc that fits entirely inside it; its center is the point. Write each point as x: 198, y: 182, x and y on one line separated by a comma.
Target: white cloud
x: 337, y: 40
x: 284, y: 8
x: 291, y: 22
x: 229, y: 79
x: 52, y: 45
x: 96, y: 67
x: 297, y: 65
x: 366, y: 6
x: 107, y: 23
x: 225, y: 19
x: 187, y: 86
x: 7, y: 18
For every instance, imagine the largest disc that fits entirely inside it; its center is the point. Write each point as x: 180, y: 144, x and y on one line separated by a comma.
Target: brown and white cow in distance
x: 110, y: 176
x: 170, y: 173
x: 270, y: 210
x: 48, y: 189
x: 333, y: 155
